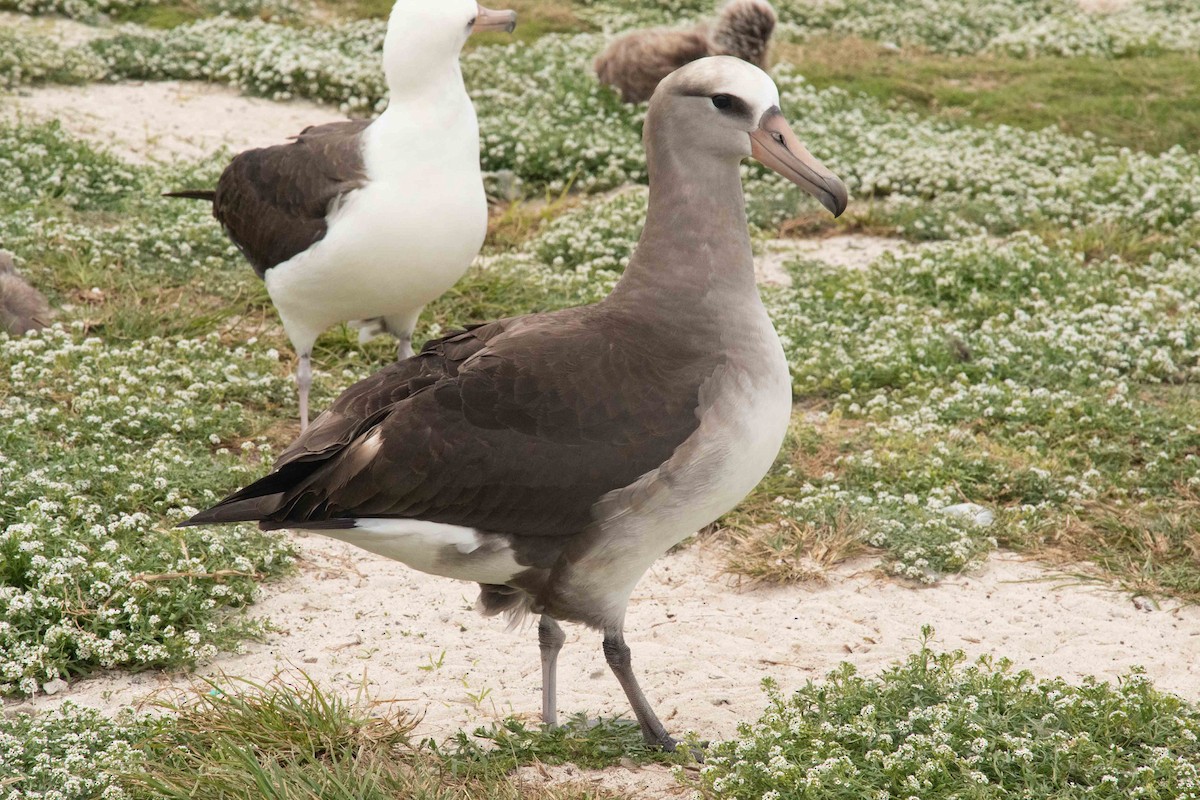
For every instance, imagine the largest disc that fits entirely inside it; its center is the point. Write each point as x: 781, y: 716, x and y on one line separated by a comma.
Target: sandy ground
x: 1104, y: 6
x: 66, y: 32
x: 169, y: 120
x: 701, y: 644
x: 849, y: 251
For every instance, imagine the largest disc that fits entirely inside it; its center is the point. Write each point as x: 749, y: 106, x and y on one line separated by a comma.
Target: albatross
x: 635, y: 62
x: 551, y: 458
x: 22, y: 307
x: 369, y: 221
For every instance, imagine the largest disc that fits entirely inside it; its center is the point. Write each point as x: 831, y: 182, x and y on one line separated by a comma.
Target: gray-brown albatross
x: 553, y: 457
x: 635, y: 62
x: 368, y: 222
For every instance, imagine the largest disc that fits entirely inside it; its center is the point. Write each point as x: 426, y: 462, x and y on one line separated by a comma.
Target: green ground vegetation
x: 1035, y: 351
x: 1142, y: 102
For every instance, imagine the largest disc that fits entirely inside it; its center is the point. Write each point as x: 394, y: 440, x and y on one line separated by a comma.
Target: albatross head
x: 423, y: 35
x: 728, y: 109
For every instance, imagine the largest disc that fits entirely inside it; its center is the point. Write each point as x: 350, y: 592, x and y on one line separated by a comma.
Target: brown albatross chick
x: 636, y: 62
x: 22, y: 307
x: 553, y: 457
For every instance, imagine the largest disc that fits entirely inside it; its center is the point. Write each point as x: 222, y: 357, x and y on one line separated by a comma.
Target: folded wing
x: 515, y: 427
x: 273, y: 201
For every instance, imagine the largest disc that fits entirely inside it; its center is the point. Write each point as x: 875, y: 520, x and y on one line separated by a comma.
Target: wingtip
x: 193, y: 194
x: 234, y: 509
x: 195, y: 520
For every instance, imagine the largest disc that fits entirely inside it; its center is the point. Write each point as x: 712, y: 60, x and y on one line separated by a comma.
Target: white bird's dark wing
x: 273, y: 201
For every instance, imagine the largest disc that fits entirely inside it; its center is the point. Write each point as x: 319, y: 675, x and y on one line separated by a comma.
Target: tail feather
x: 368, y: 329
x: 496, y: 599
x: 193, y: 194
x: 265, y: 500
x: 237, y: 509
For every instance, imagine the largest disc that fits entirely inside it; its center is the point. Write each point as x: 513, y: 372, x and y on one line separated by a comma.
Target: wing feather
x: 273, y: 201
x: 517, y: 427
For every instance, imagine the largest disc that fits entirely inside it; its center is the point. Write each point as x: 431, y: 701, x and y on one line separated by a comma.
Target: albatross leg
x: 404, y: 349
x: 401, y: 326
x: 550, y: 640
x: 303, y: 383
x: 616, y: 653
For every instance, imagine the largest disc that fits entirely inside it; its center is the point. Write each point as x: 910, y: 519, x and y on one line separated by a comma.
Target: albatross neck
x: 695, y: 247
x: 429, y: 131
x: 433, y: 81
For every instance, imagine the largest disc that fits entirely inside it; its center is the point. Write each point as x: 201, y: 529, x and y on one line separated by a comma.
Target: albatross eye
x: 722, y: 101
x: 471, y: 24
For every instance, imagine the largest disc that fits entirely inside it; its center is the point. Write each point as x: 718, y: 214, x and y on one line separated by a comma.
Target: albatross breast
x: 744, y: 411
x: 385, y: 248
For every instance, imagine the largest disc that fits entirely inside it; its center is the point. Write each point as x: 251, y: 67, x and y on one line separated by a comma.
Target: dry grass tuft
x: 788, y: 552
x: 1148, y: 547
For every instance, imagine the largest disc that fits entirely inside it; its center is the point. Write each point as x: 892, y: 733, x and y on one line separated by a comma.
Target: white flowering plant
x: 103, y: 448
x: 101, y: 10
x: 69, y: 753
x: 621, y: 15
x: 41, y: 162
x: 337, y: 64
x: 546, y: 120
x: 28, y: 58
x: 78, y: 9
x: 543, y: 115
x: 110, y: 432
x: 937, y: 728
x: 937, y: 178
x: 945, y: 26
x: 1025, y: 28
x: 1015, y: 373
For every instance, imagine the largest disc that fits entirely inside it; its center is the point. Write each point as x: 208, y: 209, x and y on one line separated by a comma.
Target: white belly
x: 389, y: 251
x: 451, y: 551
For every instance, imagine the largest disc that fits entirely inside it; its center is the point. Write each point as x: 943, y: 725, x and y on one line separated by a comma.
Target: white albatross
x: 368, y: 222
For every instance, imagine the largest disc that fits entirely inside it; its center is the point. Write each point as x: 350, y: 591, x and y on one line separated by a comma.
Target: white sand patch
x: 628, y: 779
x: 169, y: 120
x: 66, y: 32
x: 1104, y: 6
x: 850, y: 251
x: 700, y: 645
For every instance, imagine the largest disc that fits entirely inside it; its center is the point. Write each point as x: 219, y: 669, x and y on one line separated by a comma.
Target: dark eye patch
x: 737, y: 107
x: 727, y: 103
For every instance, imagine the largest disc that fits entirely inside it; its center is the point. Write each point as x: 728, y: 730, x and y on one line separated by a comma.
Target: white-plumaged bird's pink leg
x: 303, y: 383
x: 401, y: 326
x: 550, y: 640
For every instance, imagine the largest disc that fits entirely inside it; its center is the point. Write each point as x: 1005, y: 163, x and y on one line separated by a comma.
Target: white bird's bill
x: 490, y: 20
